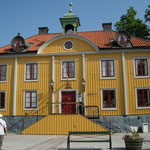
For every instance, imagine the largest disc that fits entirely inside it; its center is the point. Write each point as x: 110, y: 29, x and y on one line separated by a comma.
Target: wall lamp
x: 83, y: 84
x: 52, y: 85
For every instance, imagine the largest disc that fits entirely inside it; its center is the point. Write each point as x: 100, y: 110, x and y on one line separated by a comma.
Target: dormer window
x: 122, y: 38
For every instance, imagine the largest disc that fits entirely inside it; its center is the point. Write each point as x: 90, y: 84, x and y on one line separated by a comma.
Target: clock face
x: 68, y: 45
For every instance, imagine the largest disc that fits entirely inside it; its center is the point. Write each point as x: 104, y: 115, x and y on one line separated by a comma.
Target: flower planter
x: 133, y: 144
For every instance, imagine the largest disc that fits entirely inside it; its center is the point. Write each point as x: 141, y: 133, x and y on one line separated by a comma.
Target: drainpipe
x: 15, y: 87
x: 83, y: 70
x: 124, y: 83
x: 53, y: 79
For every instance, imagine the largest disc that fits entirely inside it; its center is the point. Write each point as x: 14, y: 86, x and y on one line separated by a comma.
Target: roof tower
x: 70, y: 22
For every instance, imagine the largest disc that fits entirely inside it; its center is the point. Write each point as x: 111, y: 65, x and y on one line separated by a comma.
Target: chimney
x: 43, y: 30
x: 107, y: 26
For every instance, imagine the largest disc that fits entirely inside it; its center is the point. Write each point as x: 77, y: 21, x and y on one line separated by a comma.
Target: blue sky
x: 25, y: 16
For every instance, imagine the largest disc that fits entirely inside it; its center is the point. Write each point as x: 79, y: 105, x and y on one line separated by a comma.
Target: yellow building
x: 60, y: 82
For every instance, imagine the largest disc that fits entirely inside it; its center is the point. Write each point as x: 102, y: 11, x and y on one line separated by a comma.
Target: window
x: 109, y: 99
x: 3, y: 70
x: 2, y: 100
x: 68, y: 70
x: 143, y: 97
x: 141, y: 67
x: 107, y: 68
x: 68, y: 45
x: 30, y: 99
x: 31, y: 71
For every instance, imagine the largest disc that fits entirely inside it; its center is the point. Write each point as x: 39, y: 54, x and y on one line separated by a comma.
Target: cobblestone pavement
x: 59, y: 142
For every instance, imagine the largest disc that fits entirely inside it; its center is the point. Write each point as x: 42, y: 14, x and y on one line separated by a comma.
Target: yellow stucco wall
x: 95, y: 84
x: 42, y: 85
x: 8, y: 85
x: 133, y: 83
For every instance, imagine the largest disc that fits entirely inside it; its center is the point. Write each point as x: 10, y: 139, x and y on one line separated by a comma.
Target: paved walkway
x: 59, y: 142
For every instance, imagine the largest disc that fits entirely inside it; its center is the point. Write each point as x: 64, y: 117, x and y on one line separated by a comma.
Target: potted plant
x: 133, y: 141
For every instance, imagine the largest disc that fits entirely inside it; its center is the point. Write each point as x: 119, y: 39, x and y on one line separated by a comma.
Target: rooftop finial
x: 18, y: 33
x: 70, y: 10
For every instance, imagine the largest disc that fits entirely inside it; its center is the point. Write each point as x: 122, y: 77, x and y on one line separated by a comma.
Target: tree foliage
x: 147, y: 14
x: 134, y: 26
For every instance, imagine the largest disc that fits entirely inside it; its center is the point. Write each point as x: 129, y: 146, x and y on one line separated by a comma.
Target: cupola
x: 70, y: 22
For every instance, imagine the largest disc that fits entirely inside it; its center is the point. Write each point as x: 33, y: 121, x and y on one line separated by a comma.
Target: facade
x: 52, y: 83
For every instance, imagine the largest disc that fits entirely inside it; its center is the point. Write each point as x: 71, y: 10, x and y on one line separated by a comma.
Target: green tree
x: 147, y: 14
x: 134, y: 26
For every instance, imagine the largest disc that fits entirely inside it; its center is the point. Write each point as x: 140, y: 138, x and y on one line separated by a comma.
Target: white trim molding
x: 15, y: 86
x: 125, y: 84
x: 53, y: 79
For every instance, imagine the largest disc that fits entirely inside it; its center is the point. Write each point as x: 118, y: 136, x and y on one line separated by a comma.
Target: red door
x: 68, y: 97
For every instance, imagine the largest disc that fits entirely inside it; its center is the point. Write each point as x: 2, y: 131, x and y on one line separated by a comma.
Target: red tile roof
x: 100, y: 38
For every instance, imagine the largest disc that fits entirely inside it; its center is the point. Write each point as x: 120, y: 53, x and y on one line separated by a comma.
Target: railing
x: 31, y: 113
x: 77, y: 108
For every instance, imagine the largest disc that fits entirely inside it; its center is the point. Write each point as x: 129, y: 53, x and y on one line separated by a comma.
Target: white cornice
x: 75, y: 53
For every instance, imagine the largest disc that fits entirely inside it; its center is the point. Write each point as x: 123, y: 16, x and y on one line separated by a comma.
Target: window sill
x: 107, y: 78
x: 68, y: 79
x: 2, y: 109
x: 140, y: 77
x: 31, y: 80
x: 109, y: 108
x: 28, y: 109
x: 143, y: 107
x: 3, y: 81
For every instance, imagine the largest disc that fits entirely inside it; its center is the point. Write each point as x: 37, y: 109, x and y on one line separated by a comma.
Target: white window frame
x: 135, y: 67
x: 5, y: 101
x: 60, y: 98
x: 102, y: 108
x: 24, y: 108
x: 37, y: 71
x: 101, y: 76
x: 6, y: 71
x: 62, y: 68
x: 137, y: 98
